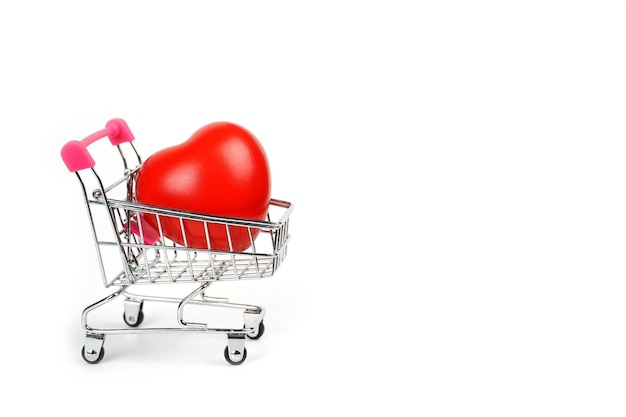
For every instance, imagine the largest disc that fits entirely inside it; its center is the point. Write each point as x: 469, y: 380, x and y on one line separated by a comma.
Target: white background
x: 457, y: 170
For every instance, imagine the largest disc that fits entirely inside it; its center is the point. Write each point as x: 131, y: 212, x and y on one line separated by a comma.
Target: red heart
x: 220, y: 170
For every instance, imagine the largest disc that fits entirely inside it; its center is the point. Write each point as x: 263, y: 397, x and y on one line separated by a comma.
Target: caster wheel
x: 91, y: 358
x: 259, y: 332
x: 136, y: 322
x: 238, y: 360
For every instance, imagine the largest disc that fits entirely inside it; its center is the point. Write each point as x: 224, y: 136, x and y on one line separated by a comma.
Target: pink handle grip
x: 75, y: 154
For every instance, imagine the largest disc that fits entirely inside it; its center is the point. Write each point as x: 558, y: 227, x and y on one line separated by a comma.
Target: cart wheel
x: 238, y: 361
x: 259, y: 332
x: 135, y: 323
x: 90, y: 359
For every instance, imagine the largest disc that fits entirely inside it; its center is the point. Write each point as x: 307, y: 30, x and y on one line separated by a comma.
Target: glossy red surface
x: 220, y: 170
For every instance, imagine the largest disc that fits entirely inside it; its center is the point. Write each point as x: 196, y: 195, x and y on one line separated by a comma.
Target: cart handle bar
x: 75, y: 154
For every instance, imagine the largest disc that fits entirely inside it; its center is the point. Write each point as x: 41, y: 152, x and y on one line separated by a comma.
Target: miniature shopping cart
x: 130, y: 252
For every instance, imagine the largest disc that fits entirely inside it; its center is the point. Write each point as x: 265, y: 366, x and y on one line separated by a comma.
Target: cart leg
x: 95, y: 305
x: 235, y: 352
x: 93, y: 350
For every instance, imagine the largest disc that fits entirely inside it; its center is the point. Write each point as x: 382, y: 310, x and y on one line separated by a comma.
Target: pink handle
x: 75, y: 154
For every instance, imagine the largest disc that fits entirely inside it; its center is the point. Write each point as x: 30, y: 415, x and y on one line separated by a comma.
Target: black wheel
x: 92, y: 361
x: 232, y: 362
x: 137, y: 322
x: 259, y: 332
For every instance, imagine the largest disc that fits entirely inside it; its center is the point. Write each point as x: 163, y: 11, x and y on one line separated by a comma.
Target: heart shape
x: 221, y: 170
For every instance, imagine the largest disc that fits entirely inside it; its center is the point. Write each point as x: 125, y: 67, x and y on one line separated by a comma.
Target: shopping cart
x: 130, y: 252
